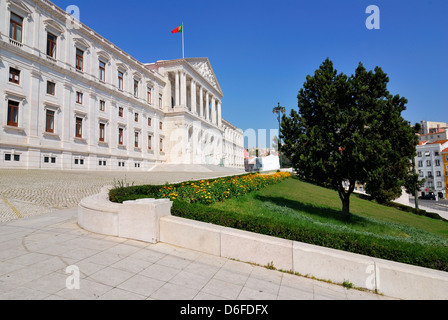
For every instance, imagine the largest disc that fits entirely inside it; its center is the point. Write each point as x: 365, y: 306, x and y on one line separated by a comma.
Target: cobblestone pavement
x: 27, y: 193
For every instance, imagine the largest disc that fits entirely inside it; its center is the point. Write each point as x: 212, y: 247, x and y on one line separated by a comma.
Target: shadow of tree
x: 316, y: 211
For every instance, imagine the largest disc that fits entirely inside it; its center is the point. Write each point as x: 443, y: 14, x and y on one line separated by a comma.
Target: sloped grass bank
x: 294, y: 210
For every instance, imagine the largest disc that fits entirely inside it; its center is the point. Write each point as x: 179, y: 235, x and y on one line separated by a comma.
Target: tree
x: 418, y: 128
x: 350, y: 130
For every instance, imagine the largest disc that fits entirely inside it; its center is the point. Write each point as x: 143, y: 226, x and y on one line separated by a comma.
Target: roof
x: 445, y: 150
x: 439, y: 142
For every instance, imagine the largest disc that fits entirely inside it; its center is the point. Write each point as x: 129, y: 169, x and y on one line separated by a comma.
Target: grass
x: 303, y: 212
x: 304, y: 204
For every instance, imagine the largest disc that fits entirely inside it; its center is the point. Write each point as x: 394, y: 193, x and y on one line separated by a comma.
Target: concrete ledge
x: 256, y: 248
x: 334, y: 265
x: 97, y: 214
x: 137, y: 220
x: 189, y: 234
x: 151, y: 221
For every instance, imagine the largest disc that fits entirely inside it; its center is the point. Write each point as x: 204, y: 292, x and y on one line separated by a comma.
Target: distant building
x: 445, y: 168
x: 432, y: 126
x: 430, y: 166
x: 433, y: 131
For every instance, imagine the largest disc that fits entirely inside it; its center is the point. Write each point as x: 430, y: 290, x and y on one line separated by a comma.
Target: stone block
x: 139, y: 220
x: 334, y: 265
x: 194, y: 235
x: 256, y: 248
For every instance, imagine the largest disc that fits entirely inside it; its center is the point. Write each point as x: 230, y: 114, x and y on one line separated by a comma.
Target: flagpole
x: 183, y: 42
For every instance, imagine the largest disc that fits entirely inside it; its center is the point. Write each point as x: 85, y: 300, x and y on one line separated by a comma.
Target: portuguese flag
x: 179, y: 29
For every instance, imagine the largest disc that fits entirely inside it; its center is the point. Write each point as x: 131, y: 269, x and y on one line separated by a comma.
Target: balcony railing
x: 15, y: 43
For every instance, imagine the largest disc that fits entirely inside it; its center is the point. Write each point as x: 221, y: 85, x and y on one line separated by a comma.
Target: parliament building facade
x: 73, y: 100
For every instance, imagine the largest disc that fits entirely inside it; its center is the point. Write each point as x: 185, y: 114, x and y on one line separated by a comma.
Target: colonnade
x: 190, y: 94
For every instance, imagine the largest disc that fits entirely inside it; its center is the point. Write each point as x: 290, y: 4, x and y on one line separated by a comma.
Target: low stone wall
x: 151, y: 221
x: 137, y: 220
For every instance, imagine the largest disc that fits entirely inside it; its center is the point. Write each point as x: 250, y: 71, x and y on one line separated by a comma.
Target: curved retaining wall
x: 150, y: 220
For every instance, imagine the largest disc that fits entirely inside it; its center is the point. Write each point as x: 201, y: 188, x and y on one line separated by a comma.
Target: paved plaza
x: 40, y: 239
x: 38, y: 256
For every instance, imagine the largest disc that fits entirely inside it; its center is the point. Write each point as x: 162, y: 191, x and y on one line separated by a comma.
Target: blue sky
x: 262, y: 51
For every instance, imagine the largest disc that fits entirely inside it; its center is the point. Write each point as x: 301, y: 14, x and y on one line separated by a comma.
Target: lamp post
x: 279, y: 111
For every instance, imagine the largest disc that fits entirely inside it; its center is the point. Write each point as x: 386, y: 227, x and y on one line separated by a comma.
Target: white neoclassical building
x: 73, y: 100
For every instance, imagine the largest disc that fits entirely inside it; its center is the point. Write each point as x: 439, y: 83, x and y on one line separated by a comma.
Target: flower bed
x: 203, y: 191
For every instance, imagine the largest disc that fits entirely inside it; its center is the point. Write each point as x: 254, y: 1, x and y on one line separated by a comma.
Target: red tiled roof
x: 445, y: 150
x: 439, y: 142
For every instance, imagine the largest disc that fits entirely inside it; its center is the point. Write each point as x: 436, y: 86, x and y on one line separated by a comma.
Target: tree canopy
x: 350, y: 130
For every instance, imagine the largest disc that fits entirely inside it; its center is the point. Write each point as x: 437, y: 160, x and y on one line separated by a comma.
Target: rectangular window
x: 149, y: 122
x: 136, y: 117
x: 420, y: 163
x: 102, y: 71
x: 14, y: 76
x: 161, y: 125
x: 78, y: 133
x: 160, y: 101
x: 13, y: 114
x: 120, y: 136
x: 51, y: 88
x: 7, y: 157
x: 102, y: 132
x: 419, y: 154
x: 149, y: 142
x: 79, y: 60
x: 429, y: 174
x: 120, y: 112
x: 149, y: 96
x: 49, y: 122
x: 136, y: 140
x: 161, y: 145
x: 438, y: 174
x: 136, y: 88
x: 428, y: 163
x: 120, y: 80
x: 437, y: 162
x: 51, y: 45
x: 15, y: 27
x: 439, y: 184
x: 16, y: 157
x: 53, y: 160
x: 102, y: 105
x: 79, y: 97
x: 46, y: 159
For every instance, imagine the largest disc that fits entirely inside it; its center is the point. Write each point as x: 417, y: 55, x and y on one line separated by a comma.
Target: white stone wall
x: 28, y: 145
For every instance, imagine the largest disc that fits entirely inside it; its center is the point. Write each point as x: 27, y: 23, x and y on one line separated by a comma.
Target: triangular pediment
x: 204, y: 68
x: 20, y: 6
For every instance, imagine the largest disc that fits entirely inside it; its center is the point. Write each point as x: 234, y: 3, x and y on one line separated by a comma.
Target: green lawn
x: 303, y: 212
x: 312, y: 203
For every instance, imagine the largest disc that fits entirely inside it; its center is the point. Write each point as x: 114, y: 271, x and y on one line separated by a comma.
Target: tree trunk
x: 346, y: 206
x: 345, y: 197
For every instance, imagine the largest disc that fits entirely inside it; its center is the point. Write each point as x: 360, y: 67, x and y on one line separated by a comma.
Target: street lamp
x: 279, y: 111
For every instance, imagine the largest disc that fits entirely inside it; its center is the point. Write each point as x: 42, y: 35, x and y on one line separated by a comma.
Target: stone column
x: 207, y: 103
x: 193, y: 97
x: 201, y: 102
x: 177, y: 89
x: 183, y: 89
x: 213, y: 110
x: 219, y: 114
